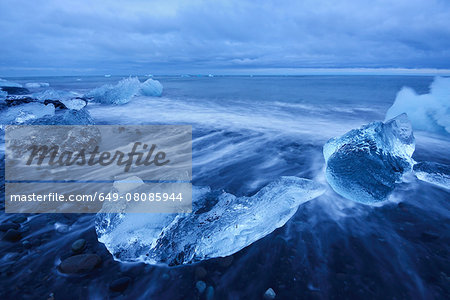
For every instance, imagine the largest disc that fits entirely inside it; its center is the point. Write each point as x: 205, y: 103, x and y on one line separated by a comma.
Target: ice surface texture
x: 220, y: 224
x: 365, y: 164
x: 25, y: 113
x: 429, y: 112
x: 124, y: 90
x: 434, y: 173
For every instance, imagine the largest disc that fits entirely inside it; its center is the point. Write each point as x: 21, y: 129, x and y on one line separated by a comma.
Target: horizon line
x: 272, y: 72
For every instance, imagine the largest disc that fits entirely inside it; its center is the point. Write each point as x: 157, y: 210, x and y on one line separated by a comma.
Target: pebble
x: 12, y: 235
x: 120, y: 285
x: 269, y: 294
x: 26, y: 244
x: 201, y: 286
x: 210, y: 293
x: 78, y: 245
x: 81, y: 263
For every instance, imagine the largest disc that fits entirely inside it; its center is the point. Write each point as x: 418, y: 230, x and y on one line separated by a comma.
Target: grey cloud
x: 85, y: 37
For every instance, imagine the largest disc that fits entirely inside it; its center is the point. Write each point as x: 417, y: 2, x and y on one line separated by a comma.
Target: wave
x: 34, y: 85
x: 429, y: 112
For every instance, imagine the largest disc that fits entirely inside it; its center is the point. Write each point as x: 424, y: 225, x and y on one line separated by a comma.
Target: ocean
x: 247, y: 132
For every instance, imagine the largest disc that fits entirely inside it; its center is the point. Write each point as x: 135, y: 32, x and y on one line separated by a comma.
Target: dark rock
x: 12, y: 90
x: 7, y: 226
x: 81, y: 263
x: 12, y: 235
x: 19, y: 100
x: 19, y: 219
x: 14, y: 100
x: 78, y: 245
x: 119, y: 285
x: 56, y: 104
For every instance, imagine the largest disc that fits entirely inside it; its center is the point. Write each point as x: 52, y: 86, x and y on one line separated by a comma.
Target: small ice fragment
x: 429, y: 112
x: 75, y: 103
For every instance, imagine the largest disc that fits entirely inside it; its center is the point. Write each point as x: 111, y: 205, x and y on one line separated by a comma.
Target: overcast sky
x: 55, y: 37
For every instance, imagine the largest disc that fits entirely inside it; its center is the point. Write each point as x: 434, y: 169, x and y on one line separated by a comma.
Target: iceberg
x: 151, y: 88
x: 428, y: 112
x: 220, y: 224
x: 364, y: 165
x: 124, y: 90
x: 434, y: 173
x: 120, y: 93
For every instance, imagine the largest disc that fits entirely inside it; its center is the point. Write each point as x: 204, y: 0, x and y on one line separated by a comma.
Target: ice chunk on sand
x: 126, y: 89
x: 220, y: 224
x: 151, y: 87
x: 120, y: 93
x: 365, y: 164
x: 429, y: 112
x: 35, y: 85
x: 434, y: 173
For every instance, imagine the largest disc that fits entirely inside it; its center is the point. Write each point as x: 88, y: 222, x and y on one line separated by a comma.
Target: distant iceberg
x: 124, y: 90
x: 429, y: 112
x: 220, y: 224
x: 364, y: 165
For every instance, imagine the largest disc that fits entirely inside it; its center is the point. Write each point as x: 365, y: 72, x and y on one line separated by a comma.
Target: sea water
x: 248, y: 132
